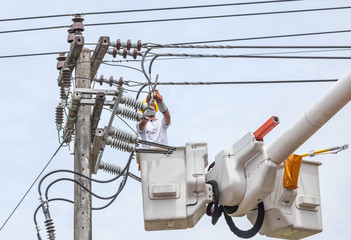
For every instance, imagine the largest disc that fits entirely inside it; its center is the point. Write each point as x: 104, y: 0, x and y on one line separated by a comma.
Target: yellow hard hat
x: 153, y: 102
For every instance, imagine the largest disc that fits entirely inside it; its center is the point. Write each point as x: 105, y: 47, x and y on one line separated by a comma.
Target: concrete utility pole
x: 82, y: 154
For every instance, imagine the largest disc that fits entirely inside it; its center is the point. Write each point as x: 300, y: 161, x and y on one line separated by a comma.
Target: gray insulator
x: 110, y: 168
x: 122, y: 134
x: 129, y: 113
x: 131, y: 102
x: 119, y: 144
x: 59, y: 117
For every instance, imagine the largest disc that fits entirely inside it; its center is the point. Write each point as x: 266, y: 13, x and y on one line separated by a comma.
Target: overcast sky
x: 217, y: 115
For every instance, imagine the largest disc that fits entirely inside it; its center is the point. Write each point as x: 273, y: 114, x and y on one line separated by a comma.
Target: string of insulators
x: 128, y: 45
x: 122, y: 134
x: 119, y: 144
x: 66, y: 80
x: 125, y: 52
x: 110, y: 81
x: 59, y: 116
x: 115, y: 169
x: 63, y: 96
x: 133, y: 103
x: 129, y: 113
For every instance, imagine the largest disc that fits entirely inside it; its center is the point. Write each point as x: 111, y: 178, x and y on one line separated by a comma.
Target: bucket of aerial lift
x: 293, y: 213
x: 174, y: 190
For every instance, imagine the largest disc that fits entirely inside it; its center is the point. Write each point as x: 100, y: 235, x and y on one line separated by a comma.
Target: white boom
x: 312, y: 120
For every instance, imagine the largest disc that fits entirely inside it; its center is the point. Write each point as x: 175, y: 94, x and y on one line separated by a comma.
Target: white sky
x: 218, y: 115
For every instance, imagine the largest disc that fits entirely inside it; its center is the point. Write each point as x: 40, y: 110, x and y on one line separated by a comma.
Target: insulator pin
x: 76, y: 28
x: 77, y: 25
x: 59, y: 117
x: 60, y: 61
x: 122, y: 134
x: 119, y: 144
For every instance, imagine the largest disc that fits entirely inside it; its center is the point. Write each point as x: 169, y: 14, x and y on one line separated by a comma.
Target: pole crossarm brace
x: 72, y: 116
x: 99, y: 54
x: 97, y: 110
x: 73, y: 55
x: 107, y: 130
x: 97, y: 143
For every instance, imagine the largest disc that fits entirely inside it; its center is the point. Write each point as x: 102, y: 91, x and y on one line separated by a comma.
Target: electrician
x: 151, y: 128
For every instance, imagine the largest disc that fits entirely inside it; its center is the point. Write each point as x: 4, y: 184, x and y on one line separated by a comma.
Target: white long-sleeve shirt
x: 155, y: 131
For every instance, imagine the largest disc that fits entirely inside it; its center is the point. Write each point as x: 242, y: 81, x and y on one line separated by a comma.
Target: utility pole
x: 82, y: 154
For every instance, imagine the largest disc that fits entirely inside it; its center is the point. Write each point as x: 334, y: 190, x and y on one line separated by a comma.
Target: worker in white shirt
x: 151, y: 128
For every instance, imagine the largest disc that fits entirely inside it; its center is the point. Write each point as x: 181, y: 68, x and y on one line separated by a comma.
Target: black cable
x: 126, y: 169
x: 122, y: 184
x: 121, y: 187
x: 217, y: 211
x: 49, y: 200
x: 248, y: 56
x: 216, y: 214
x: 79, y: 174
x: 31, y: 54
x: 57, y: 150
x: 33, y: 29
x: 215, y: 16
x: 264, y: 37
x: 245, y: 82
x: 155, y: 45
x: 146, y: 10
x: 179, y: 19
x: 110, y: 63
x: 250, y: 232
x: 79, y: 184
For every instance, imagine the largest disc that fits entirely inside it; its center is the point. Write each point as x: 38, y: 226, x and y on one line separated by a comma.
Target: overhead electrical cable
x: 31, y: 186
x: 246, y: 82
x: 146, y: 10
x: 181, y: 19
x: 265, y: 37
x: 32, y: 54
x: 249, y: 56
x: 154, y: 45
x: 215, y: 16
x: 111, y: 63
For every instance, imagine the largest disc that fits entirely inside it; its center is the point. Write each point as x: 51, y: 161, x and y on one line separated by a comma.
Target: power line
x: 265, y: 37
x: 180, y: 19
x: 247, y: 56
x: 31, y: 54
x: 246, y: 82
x: 31, y: 186
x: 216, y: 16
x: 332, y: 48
x: 155, y: 45
x: 147, y: 10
